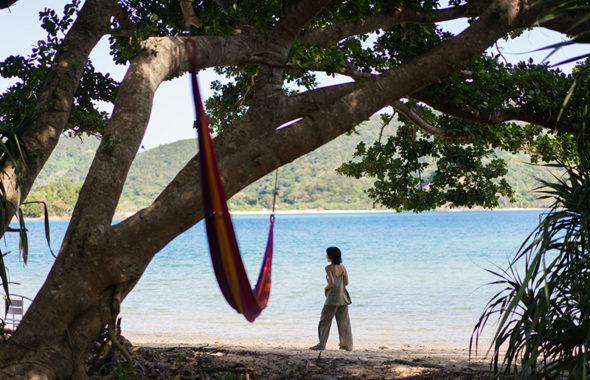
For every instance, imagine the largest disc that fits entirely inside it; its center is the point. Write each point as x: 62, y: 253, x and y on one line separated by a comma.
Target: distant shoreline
x: 265, y: 212
x: 124, y: 215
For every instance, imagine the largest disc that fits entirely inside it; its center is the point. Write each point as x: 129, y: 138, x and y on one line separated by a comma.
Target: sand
x: 220, y: 361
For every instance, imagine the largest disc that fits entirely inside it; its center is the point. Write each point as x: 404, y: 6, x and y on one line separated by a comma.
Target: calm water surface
x: 414, y: 278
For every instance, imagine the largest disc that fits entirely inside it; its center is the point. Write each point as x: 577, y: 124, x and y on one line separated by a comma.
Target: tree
x: 457, y: 104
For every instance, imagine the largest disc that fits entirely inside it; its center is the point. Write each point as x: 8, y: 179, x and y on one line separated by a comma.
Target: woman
x: 336, y: 304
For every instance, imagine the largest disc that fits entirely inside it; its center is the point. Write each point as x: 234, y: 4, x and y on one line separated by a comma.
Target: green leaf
x: 23, y: 246
x: 4, y: 278
x: 46, y: 219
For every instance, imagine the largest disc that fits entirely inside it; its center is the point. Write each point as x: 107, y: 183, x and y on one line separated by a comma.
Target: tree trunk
x: 60, y: 327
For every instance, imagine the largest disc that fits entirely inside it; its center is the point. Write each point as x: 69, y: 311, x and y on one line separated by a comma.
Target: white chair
x: 15, y: 311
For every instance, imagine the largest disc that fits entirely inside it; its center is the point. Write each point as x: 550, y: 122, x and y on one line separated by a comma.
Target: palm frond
x: 544, y: 317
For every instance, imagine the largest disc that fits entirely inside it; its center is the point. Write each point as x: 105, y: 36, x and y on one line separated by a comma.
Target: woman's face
x: 328, y: 258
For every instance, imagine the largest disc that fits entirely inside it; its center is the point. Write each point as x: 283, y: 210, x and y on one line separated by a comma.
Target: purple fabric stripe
x: 253, y: 302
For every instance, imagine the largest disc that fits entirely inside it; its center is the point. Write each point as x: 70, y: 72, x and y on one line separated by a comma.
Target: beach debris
x: 223, y: 362
x: 323, y: 377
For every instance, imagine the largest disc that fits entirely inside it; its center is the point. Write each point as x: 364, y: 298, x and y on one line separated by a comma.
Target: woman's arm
x: 329, y: 278
x: 345, y: 276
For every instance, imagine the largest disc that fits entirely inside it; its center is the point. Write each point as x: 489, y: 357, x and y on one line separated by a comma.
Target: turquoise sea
x: 415, y: 279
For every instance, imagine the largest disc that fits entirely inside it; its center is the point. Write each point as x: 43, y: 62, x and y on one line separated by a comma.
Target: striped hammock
x: 223, y: 246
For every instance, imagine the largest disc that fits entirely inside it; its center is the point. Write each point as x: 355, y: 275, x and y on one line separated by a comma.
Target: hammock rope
x: 225, y: 254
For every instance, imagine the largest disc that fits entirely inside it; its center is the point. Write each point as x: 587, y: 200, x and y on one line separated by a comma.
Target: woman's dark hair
x: 334, y: 254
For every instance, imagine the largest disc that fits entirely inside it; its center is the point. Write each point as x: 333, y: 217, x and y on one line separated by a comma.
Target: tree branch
x: 6, y: 3
x: 357, y: 75
x: 330, y: 35
x: 545, y: 118
x: 259, y: 120
x: 421, y: 123
x: 288, y: 28
x: 125, y: 27
x: 270, y: 79
x: 565, y: 24
x: 302, y: 104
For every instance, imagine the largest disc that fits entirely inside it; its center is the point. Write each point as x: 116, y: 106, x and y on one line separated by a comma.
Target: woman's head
x: 334, y: 254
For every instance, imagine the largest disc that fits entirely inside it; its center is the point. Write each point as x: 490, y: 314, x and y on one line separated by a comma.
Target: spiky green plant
x: 544, y: 313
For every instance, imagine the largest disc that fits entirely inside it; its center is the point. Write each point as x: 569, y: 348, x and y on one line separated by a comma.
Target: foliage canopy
x: 467, y: 171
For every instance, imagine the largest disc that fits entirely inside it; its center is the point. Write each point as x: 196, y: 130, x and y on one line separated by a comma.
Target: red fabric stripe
x: 252, y: 302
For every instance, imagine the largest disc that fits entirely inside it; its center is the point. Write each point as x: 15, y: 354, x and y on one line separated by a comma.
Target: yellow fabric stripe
x: 227, y: 260
x: 223, y: 238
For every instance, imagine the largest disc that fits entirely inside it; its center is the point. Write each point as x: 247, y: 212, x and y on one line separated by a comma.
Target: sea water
x: 414, y: 278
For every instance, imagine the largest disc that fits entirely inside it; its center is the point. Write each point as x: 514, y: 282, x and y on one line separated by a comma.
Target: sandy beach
x: 196, y: 358
x: 219, y: 361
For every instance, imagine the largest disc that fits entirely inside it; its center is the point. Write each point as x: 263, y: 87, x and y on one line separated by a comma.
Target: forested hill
x: 307, y: 183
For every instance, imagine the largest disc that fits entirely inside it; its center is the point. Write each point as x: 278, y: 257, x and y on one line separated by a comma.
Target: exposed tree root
x: 109, y: 350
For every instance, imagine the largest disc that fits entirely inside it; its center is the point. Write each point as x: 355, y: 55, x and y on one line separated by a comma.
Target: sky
x: 172, y: 116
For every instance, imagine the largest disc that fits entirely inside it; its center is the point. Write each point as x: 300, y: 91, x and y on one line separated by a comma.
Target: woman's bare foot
x: 316, y: 348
